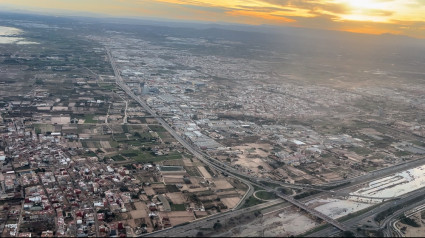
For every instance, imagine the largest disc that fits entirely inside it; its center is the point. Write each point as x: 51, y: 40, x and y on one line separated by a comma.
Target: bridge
x: 298, y: 186
x: 214, y: 163
x: 312, y: 211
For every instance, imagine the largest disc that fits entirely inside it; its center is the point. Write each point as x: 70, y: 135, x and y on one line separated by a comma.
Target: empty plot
x: 176, y: 198
x: 230, y: 202
x: 105, y: 144
x: 222, y: 184
x: 204, y: 172
x: 178, y: 217
x: 140, y: 212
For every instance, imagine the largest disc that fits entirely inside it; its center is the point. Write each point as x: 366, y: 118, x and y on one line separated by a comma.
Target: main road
x: 201, y: 156
x: 248, y: 180
x: 407, y: 202
x: 193, y: 227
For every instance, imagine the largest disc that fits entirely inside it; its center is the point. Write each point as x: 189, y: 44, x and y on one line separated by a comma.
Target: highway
x: 249, y: 180
x: 313, y: 211
x: 201, y: 156
x: 346, y: 194
x: 210, y: 161
x: 181, y: 231
x: 369, y: 215
x: 389, y: 223
x: 385, y: 171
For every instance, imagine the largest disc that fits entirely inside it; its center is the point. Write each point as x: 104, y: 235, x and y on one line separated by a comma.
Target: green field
x: 361, y: 150
x: 192, y: 171
x: 146, y: 156
x: 157, y: 128
x: 107, y: 86
x: 171, y: 168
x: 265, y: 195
x: 89, y: 118
x: 251, y: 201
x: 178, y: 207
x: 43, y: 128
x: 118, y: 158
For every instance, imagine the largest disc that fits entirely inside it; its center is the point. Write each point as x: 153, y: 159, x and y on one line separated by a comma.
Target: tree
x: 217, y: 226
x: 199, y: 234
x: 347, y: 234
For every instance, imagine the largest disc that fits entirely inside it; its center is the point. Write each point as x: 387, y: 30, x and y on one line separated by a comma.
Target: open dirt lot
x: 252, y: 156
x: 282, y: 223
x: 230, y: 202
x: 222, y: 184
x: 413, y: 231
x: 178, y: 217
x: 204, y: 172
x: 176, y: 198
x: 140, y: 212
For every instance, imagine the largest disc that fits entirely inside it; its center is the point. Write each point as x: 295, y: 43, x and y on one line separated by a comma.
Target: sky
x: 402, y: 17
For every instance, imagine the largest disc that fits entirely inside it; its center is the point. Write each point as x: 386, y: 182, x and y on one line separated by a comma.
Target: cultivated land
x: 99, y: 124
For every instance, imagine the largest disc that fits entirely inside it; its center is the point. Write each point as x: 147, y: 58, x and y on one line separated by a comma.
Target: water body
x: 10, y: 35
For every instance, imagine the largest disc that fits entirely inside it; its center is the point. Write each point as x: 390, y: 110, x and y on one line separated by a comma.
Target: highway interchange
x: 250, y: 181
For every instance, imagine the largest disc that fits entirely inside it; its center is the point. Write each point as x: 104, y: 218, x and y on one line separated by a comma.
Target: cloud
x: 372, y: 16
x: 255, y: 14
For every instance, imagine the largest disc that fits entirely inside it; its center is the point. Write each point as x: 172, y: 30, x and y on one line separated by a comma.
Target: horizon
x: 369, y: 17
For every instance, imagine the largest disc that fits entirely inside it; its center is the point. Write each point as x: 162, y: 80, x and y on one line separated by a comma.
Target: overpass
x: 248, y: 180
x: 312, y: 211
x: 299, y: 186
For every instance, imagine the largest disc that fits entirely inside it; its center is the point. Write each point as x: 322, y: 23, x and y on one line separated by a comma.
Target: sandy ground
x: 222, y: 184
x: 249, y: 148
x: 105, y: 144
x: 413, y: 231
x: 74, y: 144
x: 173, y: 179
x: 176, y: 198
x: 252, y: 156
x: 284, y: 223
x: 136, y: 214
x: 230, y: 202
x: 331, y: 176
x: 336, y: 208
x: 187, y: 162
x: 178, y: 217
x: 149, y: 191
x: 395, y: 185
x: 390, y: 186
x: 204, y: 172
x: 252, y: 163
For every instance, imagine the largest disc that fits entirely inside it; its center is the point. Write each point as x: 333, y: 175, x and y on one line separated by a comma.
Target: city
x: 131, y: 130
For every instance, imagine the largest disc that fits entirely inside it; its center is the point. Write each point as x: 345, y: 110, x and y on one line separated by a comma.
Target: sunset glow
x: 371, y: 16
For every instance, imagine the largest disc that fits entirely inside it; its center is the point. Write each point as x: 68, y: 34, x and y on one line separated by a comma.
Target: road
x: 338, y: 193
x: 313, y: 211
x: 124, y: 121
x: 248, y: 180
x: 389, y: 223
x: 369, y: 215
x: 201, y: 156
x: 193, y: 226
x: 392, y: 230
x: 207, y: 159
x: 386, y: 171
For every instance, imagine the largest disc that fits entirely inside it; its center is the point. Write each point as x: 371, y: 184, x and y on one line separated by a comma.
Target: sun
x: 366, y: 10
x: 367, y: 4
x: 361, y: 4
